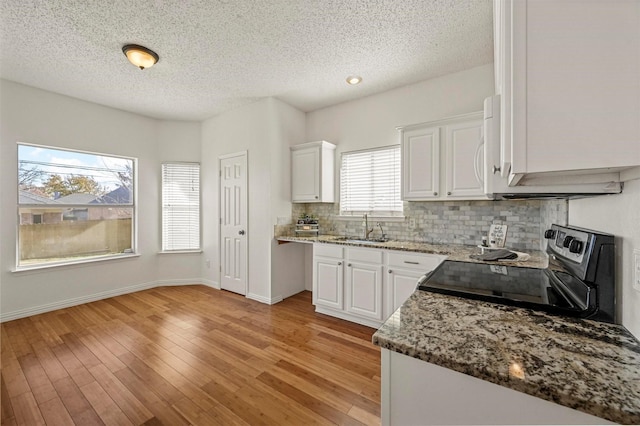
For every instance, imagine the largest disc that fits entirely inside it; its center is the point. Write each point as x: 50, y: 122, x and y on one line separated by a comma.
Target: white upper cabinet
x: 421, y: 163
x: 464, y: 160
x: 443, y: 159
x: 313, y: 172
x: 569, y: 75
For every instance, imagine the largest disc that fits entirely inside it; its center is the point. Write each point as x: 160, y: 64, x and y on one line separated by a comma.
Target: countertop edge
x: 542, y: 392
x: 459, y: 252
x: 596, y: 401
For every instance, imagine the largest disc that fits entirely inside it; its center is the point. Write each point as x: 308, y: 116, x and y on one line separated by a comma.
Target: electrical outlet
x: 636, y: 269
x: 208, y: 263
x: 412, y: 223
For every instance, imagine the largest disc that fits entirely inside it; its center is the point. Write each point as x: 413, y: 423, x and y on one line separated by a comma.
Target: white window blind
x: 180, y: 206
x: 370, y: 182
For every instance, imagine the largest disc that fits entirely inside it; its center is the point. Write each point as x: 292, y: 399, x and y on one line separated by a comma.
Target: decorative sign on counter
x: 497, y: 235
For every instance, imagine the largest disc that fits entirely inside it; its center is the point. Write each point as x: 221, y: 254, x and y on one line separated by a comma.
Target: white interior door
x: 233, y: 223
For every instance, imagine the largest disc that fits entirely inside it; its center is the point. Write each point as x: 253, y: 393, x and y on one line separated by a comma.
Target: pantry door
x: 233, y: 222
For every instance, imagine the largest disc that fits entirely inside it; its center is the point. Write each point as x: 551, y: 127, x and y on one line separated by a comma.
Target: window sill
x: 46, y: 266
x: 370, y: 218
x: 180, y: 251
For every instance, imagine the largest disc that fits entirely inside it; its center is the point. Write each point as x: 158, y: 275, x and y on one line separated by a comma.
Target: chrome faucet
x: 367, y: 231
x: 383, y: 237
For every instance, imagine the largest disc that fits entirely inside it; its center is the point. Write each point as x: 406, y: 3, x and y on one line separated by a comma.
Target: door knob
x: 241, y: 232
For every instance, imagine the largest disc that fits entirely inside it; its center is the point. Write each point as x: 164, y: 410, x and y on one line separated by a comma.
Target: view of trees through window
x: 73, y: 205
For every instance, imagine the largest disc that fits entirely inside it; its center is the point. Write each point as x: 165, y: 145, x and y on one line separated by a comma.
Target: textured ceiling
x: 216, y: 55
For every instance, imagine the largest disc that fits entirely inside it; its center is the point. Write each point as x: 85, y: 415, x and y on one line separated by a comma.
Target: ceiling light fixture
x: 140, y: 56
x: 354, y: 79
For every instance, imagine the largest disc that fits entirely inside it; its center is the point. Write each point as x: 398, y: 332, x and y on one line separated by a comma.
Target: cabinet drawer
x: 365, y: 255
x: 327, y: 250
x: 423, y: 262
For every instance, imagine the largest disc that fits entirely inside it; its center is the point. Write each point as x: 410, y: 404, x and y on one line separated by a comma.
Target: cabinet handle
x: 411, y: 262
x: 435, y: 193
x: 496, y: 169
x: 348, y: 264
x: 339, y: 263
x: 449, y: 193
x: 390, y: 271
x: 316, y: 197
x: 477, y: 162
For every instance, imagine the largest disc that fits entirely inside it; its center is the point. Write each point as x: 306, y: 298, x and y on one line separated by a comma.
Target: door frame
x: 245, y: 154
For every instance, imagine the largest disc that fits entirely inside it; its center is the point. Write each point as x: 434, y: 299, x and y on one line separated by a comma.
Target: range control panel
x: 570, y: 244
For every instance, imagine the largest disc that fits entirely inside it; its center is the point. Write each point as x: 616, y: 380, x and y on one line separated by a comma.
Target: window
x: 73, y: 206
x: 180, y: 206
x: 370, y: 182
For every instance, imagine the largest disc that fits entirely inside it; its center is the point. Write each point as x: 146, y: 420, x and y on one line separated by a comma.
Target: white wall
x: 618, y: 215
x: 264, y: 129
x: 35, y: 116
x: 287, y: 260
x: 371, y: 122
x: 179, y: 141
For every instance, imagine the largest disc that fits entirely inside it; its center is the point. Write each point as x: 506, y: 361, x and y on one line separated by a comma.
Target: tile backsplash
x: 447, y: 222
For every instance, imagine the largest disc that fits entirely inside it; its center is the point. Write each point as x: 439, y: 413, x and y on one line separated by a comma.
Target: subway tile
x: 462, y: 222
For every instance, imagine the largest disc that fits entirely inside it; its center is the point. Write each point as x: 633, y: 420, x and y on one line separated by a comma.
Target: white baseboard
x: 22, y: 313
x: 262, y: 299
x: 210, y: 283
x: 177, y: 282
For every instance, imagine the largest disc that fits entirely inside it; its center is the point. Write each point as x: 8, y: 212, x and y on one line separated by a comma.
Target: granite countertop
x: 586, y: 365
x: 538, y: 259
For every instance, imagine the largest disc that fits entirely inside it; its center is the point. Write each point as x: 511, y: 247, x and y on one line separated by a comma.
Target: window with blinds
x: 370, y: 182
x: 180, y: 206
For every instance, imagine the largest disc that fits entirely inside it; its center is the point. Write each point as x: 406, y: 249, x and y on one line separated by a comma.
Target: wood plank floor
x: 188, y: 355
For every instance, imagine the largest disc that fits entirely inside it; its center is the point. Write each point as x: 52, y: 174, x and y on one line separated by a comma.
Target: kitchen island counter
x: 585, y: 365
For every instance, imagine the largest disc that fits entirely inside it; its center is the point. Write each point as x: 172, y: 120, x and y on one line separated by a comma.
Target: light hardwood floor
x: 189, y: 355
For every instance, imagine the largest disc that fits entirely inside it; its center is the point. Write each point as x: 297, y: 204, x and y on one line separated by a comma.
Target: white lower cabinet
x: 365, y: 285
x: 403, y: 271
x: 415, y: 392
x: 400, y: 285
x: 328, y: 289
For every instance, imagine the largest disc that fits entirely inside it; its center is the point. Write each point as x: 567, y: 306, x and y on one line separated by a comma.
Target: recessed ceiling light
x: 354, y: 79
x: 140, y: 56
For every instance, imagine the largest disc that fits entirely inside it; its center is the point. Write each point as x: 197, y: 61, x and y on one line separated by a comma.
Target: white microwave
x: 497, y: 162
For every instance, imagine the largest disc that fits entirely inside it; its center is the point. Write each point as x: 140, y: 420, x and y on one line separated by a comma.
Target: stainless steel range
x: 579, y: 282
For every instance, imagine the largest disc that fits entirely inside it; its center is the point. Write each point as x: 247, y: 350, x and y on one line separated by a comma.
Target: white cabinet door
x: 402, y: 283
x: 305, y: 175
x: 364, y: 290
x: 403, y: 271
x: 575, y: 80
x: 464, y: 159
x: 328, y: 287
x: 421, y: 163
x: 312, y: 172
